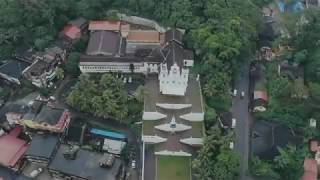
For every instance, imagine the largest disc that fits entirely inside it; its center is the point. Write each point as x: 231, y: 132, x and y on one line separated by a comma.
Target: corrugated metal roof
x: 11, y: 149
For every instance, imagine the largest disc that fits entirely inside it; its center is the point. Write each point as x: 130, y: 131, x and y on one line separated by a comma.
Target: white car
x: 235, y: 92
x: 242, y: 94
x: 133, y: 164
x: 234, y: 122
x: 231, y: 145
x: 36, y: 172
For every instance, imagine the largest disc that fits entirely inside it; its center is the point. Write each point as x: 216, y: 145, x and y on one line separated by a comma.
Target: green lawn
x: 197, y: 129
x: 173, y: 168
x: 148, y: 127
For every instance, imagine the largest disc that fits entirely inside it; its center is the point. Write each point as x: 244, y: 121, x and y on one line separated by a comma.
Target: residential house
x: 260, y: 96
x: 268, y: 136
x: 84, y: 166
x: 8, y: 174
x: 9, y: 113
x: 112, y: 142
x: 314, y: 145
x: 310, y: 169
x: 47, y: 118
x: 42, y: 148
x: 74, y: 29
x: 265, y: 51
x: 25, y: 54
x: 12, y: 149
x: 12, y: 71
x: 43, y: 70
x: 268, y: 33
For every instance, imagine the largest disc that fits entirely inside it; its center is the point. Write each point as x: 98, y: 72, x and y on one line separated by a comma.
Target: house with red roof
x: 12, y: 149
x: 310, y: 169
x: 73, y: 30
x: 314, y: 146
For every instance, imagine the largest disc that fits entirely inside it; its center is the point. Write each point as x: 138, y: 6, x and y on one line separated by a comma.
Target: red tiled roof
x: 309, y: 176
x: 11, y: 149
x: 260, y: 95
x: 310, y: 165
x: 314, y: 145
x: 104, y: 25
x: 64, y: 120
x: 16, y: 131
x: 144, y: 36
x: 71, y: 31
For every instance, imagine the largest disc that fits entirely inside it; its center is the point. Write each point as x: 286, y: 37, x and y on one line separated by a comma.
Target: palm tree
x: 60, y: 73
x: 140, y: 94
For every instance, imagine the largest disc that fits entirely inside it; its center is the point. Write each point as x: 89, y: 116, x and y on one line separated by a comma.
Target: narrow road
x: 240, y: 111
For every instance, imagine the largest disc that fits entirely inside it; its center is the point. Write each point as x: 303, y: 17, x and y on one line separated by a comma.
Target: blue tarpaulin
x: 108, y: 134
x: 291, y: 7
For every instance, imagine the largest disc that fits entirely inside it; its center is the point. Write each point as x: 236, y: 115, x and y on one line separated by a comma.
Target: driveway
x: 240, y: 111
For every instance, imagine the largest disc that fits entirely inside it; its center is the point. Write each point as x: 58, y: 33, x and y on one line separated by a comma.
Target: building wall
x: 175, y: 81
x: 119, y: 67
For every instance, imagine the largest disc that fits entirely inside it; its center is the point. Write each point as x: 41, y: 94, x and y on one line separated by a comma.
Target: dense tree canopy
x: 215, y: 160
x: 105, y: 98
x: 285, y: 101
x: 222, y: 33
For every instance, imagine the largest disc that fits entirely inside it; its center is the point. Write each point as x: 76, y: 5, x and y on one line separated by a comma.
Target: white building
x: 169, y: 60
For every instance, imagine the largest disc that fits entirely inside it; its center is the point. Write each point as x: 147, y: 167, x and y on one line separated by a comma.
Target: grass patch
x: 148, y: 127
x: 173, y: 168
x: 197, y: 129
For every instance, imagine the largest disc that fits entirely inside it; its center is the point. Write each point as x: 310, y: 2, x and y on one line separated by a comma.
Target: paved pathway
x: 240, y: 111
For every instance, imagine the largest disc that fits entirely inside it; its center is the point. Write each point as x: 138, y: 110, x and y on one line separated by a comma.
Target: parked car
x: 107, y: 161
x: 71, y: 153
x: 235, y: 92
x: 36, y: 172
x: 133, y: 164
x: 242, y: 94
x: 234, y: 122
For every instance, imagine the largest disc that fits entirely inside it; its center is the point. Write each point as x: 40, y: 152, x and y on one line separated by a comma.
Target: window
x: 173, y: 82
